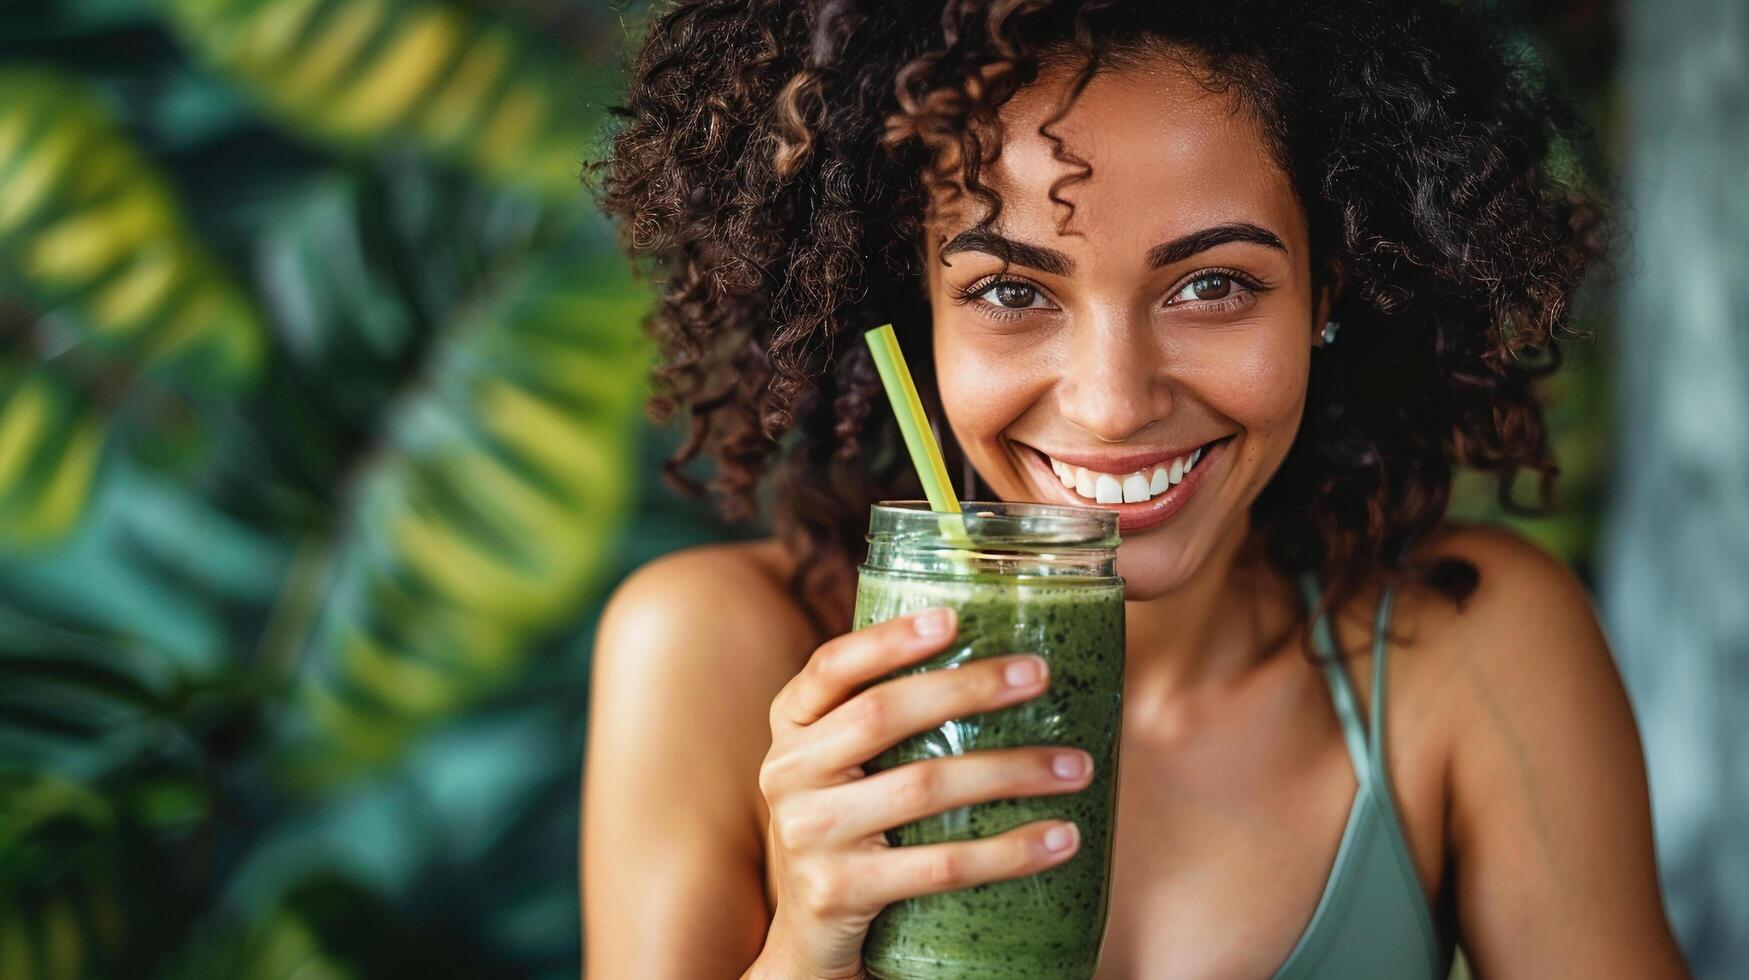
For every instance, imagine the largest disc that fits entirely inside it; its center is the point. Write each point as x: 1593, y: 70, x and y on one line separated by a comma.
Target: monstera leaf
x: 409, y: 358
x: 90, y: 232
x: 67, y: 909
x: 455, y: 82
x: 58, y: 687
x: 43, y: 934
x: 118, y: 295
x: 487, y: 516
x: 50, y: 443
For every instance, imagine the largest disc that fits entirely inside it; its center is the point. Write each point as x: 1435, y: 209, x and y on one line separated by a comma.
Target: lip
x: 1137, y: 516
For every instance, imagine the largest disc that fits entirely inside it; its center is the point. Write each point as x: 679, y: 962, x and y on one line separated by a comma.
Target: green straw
x: 914, y: 426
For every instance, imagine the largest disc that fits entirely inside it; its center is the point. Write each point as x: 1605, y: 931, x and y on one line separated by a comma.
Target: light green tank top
x: 1372, y: 922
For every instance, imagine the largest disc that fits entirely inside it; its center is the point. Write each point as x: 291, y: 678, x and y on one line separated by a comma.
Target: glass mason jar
x: 1030, y: 579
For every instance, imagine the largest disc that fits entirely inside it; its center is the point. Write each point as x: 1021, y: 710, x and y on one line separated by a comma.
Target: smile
x: 1144, y: 491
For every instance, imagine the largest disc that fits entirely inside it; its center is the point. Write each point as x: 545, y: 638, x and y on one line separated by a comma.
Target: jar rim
x: 1000, y: 522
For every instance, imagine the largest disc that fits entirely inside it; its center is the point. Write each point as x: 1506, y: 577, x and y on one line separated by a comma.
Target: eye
x: 1207, y: 286
x: 1217, y: 291
x: 1010, y: 294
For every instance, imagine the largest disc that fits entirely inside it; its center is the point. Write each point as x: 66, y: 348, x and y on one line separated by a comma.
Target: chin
x: 1153, y: 568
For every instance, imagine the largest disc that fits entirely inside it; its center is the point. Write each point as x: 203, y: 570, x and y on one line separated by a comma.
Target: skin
x: 722, y: 801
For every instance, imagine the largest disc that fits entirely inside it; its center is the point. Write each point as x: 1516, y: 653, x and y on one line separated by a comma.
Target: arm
x: 1550, y: 826
x: 707, y: 706
x: 685, y: 669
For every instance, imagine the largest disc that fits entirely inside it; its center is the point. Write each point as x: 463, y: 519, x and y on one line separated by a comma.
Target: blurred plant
x: 318, y: 403
x: 91, y: 236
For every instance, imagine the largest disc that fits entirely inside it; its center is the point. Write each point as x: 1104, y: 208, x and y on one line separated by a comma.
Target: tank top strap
x: 1354, y: 728
x: 1380, y: 634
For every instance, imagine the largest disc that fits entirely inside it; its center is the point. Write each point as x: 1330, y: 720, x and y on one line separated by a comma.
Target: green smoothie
x: 1049, y: 925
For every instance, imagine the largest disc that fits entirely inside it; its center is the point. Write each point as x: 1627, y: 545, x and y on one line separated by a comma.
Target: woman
x: 1313, y: 246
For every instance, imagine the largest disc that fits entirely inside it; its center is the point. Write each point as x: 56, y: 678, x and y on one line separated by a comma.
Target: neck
x: 1224, y: 620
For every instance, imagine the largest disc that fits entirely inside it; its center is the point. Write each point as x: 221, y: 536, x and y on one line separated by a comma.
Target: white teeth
x: 1130, y: 488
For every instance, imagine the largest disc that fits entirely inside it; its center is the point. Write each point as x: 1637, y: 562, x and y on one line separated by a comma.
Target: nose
x: 1113, y: 384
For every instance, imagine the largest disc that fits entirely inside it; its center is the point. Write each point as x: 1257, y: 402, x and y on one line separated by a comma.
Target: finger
x: 894, y: 873
x: 903, y: 794
x: 845, y: 663
x: 860, y: 728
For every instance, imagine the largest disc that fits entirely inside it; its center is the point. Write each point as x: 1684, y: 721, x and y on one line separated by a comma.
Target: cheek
x: 983, y: 391
x: 1260, y: 384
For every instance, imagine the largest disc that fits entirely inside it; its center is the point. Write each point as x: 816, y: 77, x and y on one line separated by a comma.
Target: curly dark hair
x: 776, y: 159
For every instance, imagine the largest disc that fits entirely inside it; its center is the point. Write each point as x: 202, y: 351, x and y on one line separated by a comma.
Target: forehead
x: 1167, y: 156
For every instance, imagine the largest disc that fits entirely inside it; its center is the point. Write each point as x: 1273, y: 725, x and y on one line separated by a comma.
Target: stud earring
x: 1329, y: 334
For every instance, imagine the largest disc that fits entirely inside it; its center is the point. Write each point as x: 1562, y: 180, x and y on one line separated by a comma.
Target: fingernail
x: 932, y: 622
x: 1071, y: 765
x: 1060, y: 838
x: 1024, y: 672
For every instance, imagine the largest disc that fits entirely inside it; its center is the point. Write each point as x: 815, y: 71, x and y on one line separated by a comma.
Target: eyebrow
x: 1051, y: 261
x: 1021, y: 253
x: 1185, y: 246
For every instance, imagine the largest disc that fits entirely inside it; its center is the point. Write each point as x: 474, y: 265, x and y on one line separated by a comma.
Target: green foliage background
x: 319, y: 445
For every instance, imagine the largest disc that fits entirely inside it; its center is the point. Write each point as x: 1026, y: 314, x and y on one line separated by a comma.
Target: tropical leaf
x: 91, y: 233
x: 457, y: 83
x: 411, y: 499
x: 360, y: 269
x: 283, y: 945
x: 488, y: 515
x: 108, y: 294
x: 102, y: 875
x: 51, y: 941
x: 51, y: 442
x: 79, y: 703
x: 59, y: 914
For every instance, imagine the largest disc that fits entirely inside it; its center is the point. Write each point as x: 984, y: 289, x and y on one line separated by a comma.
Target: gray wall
x: 1675, y: 564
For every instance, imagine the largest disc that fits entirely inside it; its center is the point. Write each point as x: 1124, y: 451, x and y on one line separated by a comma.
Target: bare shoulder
x: 711, y: 603
x: 1523, y: 643
x: 689, y: 653
x: 1512, y: 571
x: 690, y: 650
x: 1548, y: 820
x: 1527, y: 622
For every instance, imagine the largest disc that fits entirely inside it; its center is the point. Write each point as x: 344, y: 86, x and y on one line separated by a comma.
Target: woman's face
x: 1154, y: 363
